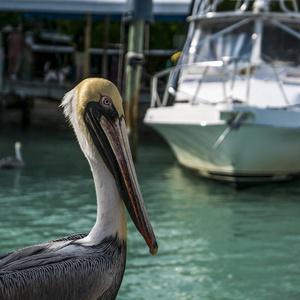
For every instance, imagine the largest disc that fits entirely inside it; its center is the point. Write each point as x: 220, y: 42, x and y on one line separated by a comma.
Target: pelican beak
x: 110, y: 138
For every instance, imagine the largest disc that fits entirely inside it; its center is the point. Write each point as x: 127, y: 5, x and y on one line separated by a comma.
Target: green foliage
x: 9, y: 18
x: 162, y: 33
x: 71, y: 27
x: 98, y: 33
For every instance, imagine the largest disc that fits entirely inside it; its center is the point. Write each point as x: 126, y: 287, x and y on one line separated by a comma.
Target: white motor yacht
x: 231, y: 106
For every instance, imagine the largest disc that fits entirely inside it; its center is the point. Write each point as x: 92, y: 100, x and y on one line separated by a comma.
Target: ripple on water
x: 214, y: 243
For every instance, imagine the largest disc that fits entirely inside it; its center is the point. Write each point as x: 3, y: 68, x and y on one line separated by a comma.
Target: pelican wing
x: 35, y: 249
x: 10, y: 162
x: 63, y: 267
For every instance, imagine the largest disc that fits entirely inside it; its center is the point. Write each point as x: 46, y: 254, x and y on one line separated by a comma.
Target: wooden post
x: 87, y: 45
x: 1, y: 65
x: 121, y: 57
x: 104, y: 68
x: 133, y: 78
x: 1, y: 72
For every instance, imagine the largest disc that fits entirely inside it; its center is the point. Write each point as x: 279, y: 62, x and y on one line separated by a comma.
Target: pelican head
x: 94, y: 108
x: 18, y: 144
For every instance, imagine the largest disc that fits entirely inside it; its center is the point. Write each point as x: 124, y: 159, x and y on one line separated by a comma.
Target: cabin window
x: 280, y: 46
x: 211, y: 46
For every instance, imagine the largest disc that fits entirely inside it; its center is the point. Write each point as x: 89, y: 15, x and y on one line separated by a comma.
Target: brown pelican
x: 87, y: 266
x: 16, y: 161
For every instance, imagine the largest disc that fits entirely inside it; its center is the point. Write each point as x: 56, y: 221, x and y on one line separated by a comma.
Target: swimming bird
x: 16, y: 161
x: 87, y: 266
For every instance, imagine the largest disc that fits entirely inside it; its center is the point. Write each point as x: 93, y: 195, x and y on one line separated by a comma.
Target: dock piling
x: 137, y: 14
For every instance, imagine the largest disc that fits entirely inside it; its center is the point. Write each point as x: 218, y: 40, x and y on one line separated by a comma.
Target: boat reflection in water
x: 231, y: 108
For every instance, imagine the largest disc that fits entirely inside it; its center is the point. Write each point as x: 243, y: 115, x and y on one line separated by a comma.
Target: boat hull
x: 231, y: 106
x: 251, y: 153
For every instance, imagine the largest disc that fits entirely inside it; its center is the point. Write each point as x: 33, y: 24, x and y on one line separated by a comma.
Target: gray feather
x: 63, y: 269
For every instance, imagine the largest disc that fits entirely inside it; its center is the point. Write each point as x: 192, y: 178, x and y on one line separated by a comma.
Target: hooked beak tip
x: 154, y: 249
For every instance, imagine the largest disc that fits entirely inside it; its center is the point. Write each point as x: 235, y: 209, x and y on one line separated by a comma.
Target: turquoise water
x: 214, y: 242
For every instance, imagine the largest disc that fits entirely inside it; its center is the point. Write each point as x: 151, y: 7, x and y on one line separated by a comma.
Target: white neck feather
x: 18, y: 152
x: 111, y: 217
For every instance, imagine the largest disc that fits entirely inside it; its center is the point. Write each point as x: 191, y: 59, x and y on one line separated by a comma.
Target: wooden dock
x: 21, y: 99
x: 36, y: 89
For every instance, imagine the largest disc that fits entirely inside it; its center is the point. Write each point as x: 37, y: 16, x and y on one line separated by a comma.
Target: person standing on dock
x: 16, y: 43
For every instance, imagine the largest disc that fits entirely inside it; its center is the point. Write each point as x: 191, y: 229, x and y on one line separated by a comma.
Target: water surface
x: 214, y: 242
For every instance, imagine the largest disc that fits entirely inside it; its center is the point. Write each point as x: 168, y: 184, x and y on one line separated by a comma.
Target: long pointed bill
x: 113, y: 134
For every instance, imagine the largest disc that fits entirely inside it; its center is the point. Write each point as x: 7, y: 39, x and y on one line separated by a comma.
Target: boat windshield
x: 228, y: 39
x: 279, y: 46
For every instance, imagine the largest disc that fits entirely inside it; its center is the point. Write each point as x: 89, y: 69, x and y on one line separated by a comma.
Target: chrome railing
x: 202, y: 7
x: 229, y: 72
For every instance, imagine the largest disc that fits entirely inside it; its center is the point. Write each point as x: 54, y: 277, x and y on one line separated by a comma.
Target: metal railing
x: 202, y: 7
x: 228, y: 72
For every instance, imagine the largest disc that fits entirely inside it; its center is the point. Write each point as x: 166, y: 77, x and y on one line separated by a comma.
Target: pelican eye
x: 106, y: 101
